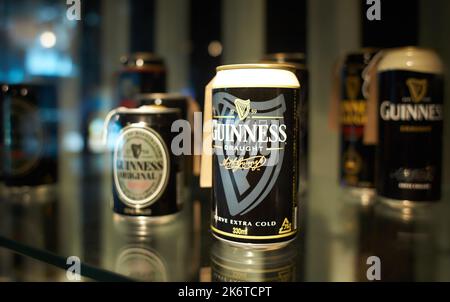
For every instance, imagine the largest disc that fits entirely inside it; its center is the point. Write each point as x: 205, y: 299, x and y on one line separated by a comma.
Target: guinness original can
x: 301, y: 71
x: 145, y: 173
x: 141, y: 73
x: 410, y: 124
x: 187, y: 106
x: 357, y: 160
x: 254, y: 135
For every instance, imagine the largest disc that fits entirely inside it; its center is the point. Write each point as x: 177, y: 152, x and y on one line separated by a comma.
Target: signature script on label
x: 250, y: 163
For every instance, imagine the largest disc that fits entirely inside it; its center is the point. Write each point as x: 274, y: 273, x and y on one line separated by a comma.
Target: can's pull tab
x: 106, y: 123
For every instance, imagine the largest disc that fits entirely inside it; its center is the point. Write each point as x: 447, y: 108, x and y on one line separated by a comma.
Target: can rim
x: 149, y: 109
x: 283, y: 66
x: 411, y: 47
x: 148, y: 59
x: 160, y: 95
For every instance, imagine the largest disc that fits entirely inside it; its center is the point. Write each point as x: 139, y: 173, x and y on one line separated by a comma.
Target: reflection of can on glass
x: 141, y: 73
x: 405, y: 241
x: 29, y: 119
x: 298, y: 60
x: 236, y: 264
x: 145, y: 172
x: 357, y: 159
x: 410, y: 126
x: 254, y: 134
x: 147, y: 252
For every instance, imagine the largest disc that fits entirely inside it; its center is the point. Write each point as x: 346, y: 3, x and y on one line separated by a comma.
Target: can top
x: 362, y: 56
x: 141, y: 59
x: 153, y: 109
x: 288, y: 67
x: 159, y: 95
x: 411, y: 58
x: 256, y: 75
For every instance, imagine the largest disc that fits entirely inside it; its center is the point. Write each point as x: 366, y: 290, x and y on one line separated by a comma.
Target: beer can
x: 187, y: 107
x: 29, y: 127
x: 173, y: 100
x: 357, y: 159
x: 298, y: 60
x: 145, y: 171
x: 141, y: 73
x: 410, y: 125
x: 254, y: 135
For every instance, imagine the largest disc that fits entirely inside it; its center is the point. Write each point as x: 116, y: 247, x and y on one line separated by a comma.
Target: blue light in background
x: 48, y: 62
x: 15, y: 75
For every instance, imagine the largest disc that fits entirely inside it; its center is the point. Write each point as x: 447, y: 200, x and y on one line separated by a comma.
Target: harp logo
x: 417, y: 89
x: 136, y: 149
x: 242, y: 108
x: 353, y: 84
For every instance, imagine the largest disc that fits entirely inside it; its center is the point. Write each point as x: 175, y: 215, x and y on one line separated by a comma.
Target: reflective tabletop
x: 342, y: 238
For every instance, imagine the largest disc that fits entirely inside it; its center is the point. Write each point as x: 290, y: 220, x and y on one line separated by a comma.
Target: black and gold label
x: 356, y: 158
x: 255, y: 164
x: 146, y: 174
x: 410, y: 119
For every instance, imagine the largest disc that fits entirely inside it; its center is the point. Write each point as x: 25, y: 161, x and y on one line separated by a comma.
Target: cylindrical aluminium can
x: 410, y: 126
x: 141, y: 73
x: 29, y: 139
x: 357, y: 159
x: 173, y: 100
x: 254, y: 135
x: 298, y: 60
x: 145, y: 180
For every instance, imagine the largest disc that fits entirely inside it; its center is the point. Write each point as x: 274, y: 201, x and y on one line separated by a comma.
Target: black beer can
x: 29, y: 124
x: 141, y: 73
x: 174, y: 100
x: 410, y: 126
x: 145, y: 172
x: 254, y: 135
x: 357, y: 159
x: 298, y: 60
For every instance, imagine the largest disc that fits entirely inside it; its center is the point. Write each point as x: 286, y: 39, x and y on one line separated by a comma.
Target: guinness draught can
x: 410, y: 124
x: 357, y: 159
x: 254, y: 134
x: 145, y: 172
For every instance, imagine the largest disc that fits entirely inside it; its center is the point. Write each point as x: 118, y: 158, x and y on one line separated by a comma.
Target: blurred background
x: 82, y: 59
